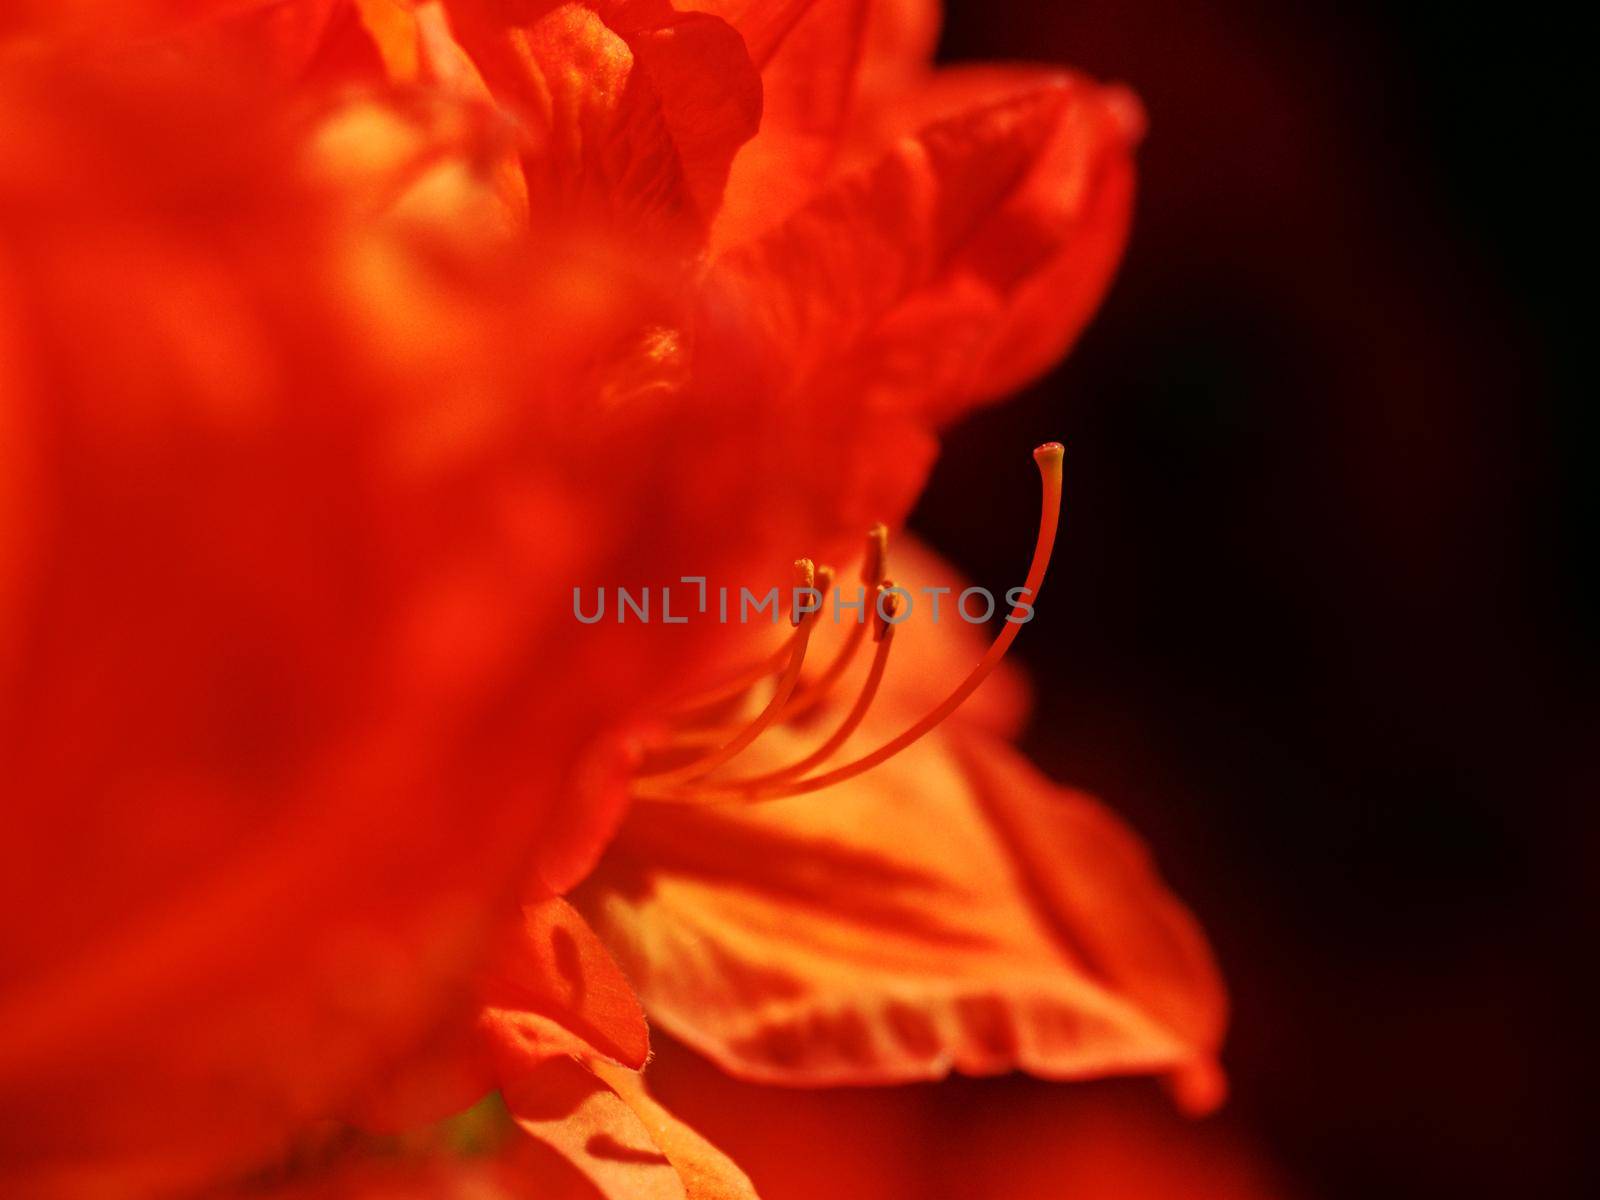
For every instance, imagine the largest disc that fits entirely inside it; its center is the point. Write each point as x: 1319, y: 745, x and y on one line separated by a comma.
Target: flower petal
x: 898, y: 48
x: 912, y: 285
x: 577, y: 833
x: 826, y: 65
x: 557, y: 968
x: 282, y: 559
x: 633, y: 110
x: 282, y: 33
x: 952, y: 910
x: 809, y: 52
x: 1063, y: 231
x: 603, y: 1122
x: 557, y: 992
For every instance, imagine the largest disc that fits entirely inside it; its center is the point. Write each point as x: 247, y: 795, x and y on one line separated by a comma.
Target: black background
x: 1319, y: 624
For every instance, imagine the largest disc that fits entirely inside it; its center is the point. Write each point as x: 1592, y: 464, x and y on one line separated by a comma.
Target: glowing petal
x: 951, y: 911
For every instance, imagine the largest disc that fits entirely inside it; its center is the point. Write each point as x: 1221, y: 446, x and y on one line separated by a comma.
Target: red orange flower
x: 330, y: 372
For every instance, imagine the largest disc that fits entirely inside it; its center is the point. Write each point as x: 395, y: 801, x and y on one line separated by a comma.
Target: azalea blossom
x: 342, y: 341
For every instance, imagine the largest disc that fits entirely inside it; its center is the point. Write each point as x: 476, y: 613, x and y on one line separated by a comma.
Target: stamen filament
x: 705, y: 764
x: 1049, y: 459
x: 815, y: 692
x: 841, y: 735
x: 874, y: 560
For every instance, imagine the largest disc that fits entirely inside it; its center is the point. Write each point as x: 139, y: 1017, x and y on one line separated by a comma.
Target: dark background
x: 1320, y: 622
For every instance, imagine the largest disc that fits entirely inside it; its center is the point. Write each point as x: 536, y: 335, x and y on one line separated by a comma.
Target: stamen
x: 806, y: 576
x: 883, y: 633
x: 876, y: 559
x: 694, y: 717
x: 1049, y: 459
x: 873, y: 561
x: 702, y: 703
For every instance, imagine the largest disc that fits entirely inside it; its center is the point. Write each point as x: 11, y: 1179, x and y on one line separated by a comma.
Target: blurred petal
x: 144, y: 17
x: 1101, y: 1145
x: 440, y: 1077
x: 898, y: 46
x: 578, y: 832
x: 392, y: 27
x: 276, y: 39
x: 1009, y: 1139
x: 556, y: 992
x: 952, y: 910
x: 479, y: 1154
x: 435, y: 166
x: 273, y: 581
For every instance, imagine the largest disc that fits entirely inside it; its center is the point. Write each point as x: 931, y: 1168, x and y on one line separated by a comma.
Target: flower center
x: 692, y: 782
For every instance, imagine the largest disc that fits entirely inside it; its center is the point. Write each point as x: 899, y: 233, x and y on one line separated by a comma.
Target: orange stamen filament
x: 841, y: 735
x: 698, y: 708
x: 707, y: 763
x: 815, y: 692
x: 873, y: 561
x: 781, y: 784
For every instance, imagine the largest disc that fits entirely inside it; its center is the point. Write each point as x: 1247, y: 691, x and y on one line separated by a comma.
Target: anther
x: 805, y: 573
x: 818, y: 690
x: 876, y: 559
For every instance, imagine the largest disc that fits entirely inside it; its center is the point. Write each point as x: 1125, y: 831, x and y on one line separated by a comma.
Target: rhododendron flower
x: 343, y: 341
